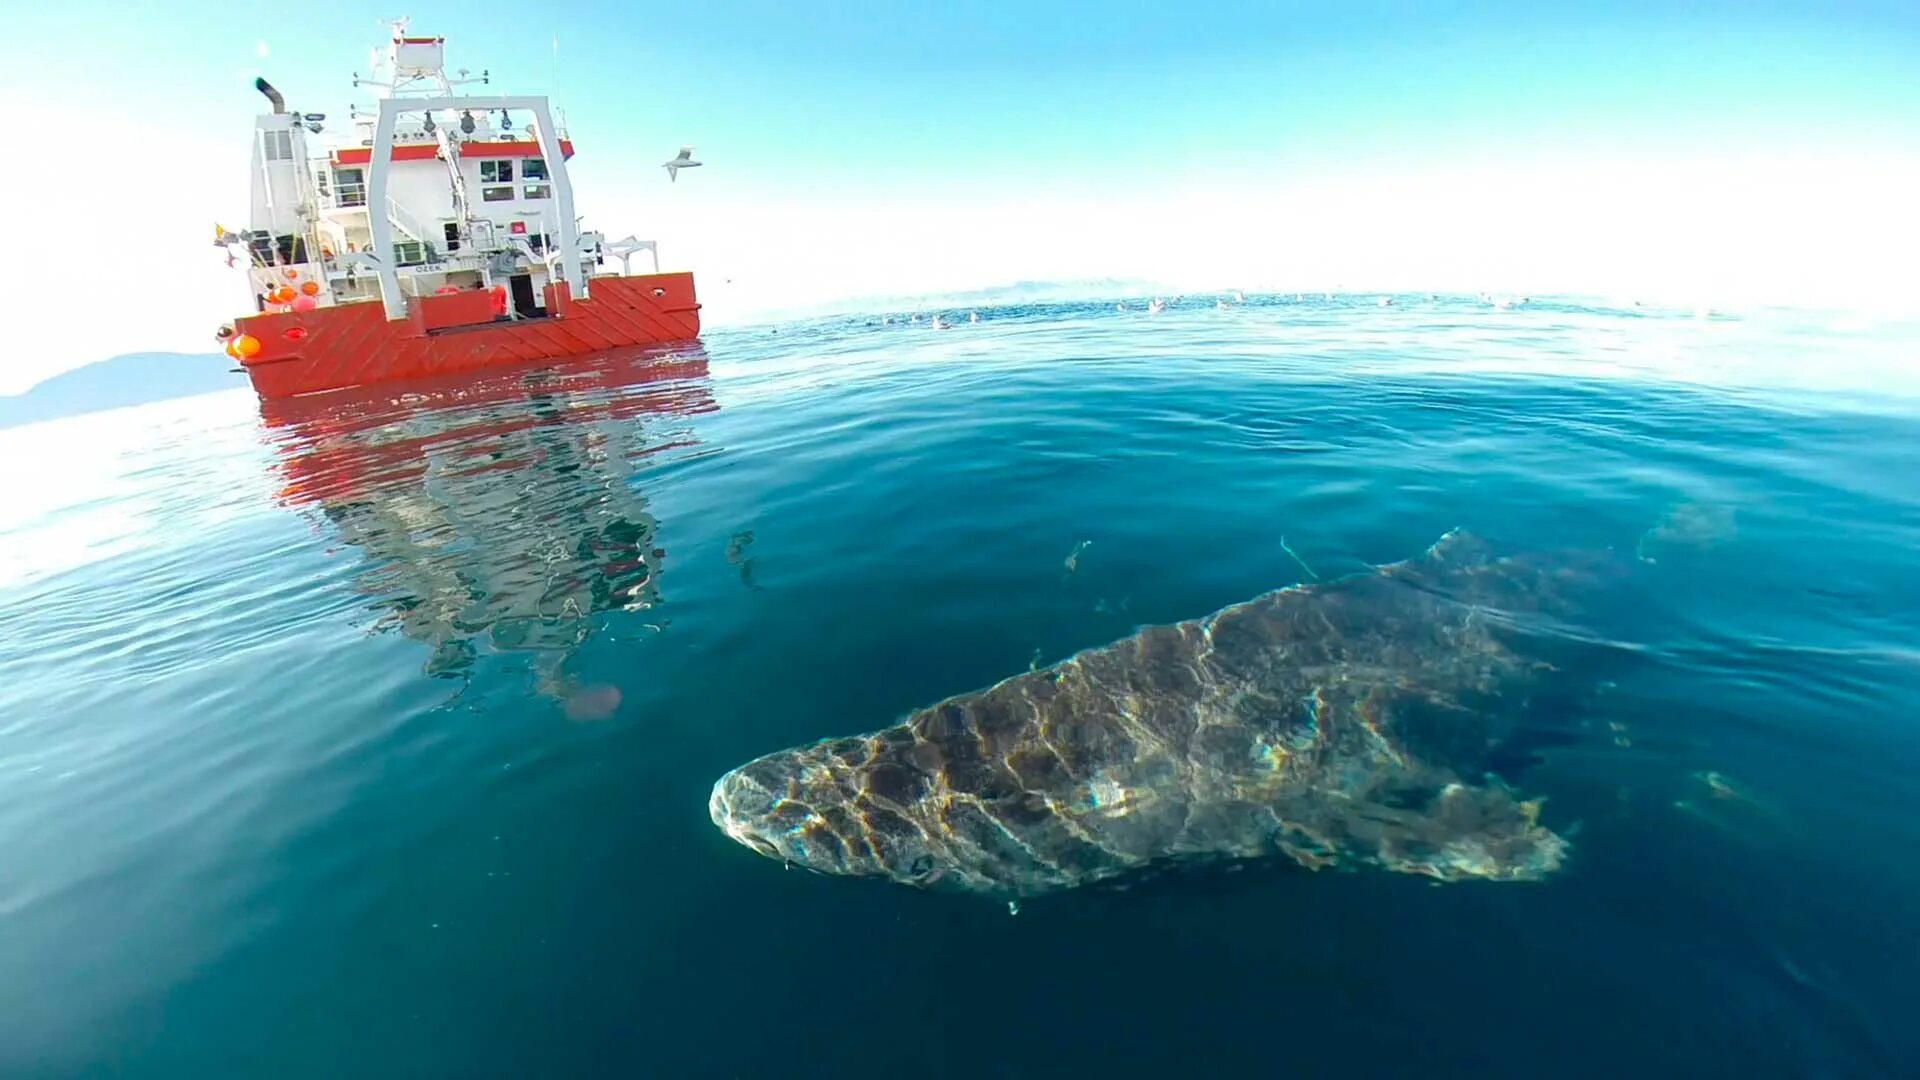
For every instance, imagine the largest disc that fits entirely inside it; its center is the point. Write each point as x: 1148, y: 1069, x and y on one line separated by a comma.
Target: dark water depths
x: 373, y: 735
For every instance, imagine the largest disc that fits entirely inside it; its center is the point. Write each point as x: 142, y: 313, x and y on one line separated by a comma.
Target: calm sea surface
x: 372, y: 734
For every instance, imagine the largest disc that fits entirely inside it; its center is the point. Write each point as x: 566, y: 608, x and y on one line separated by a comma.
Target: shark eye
x: 922, y: 866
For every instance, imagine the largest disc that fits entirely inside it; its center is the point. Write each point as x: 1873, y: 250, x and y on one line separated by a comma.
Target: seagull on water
x: 684, y: 161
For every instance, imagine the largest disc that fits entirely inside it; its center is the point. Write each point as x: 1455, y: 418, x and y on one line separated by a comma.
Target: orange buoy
x: 282, y: 295
x: 231, y: 351
x: 246, y: 346
x: 292, y: 274
x: 311, y: 288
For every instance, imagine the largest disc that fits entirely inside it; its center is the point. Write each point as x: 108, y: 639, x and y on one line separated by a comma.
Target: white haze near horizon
x: 125, y: 262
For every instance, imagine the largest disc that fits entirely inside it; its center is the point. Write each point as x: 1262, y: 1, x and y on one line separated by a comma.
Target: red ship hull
x: 303, y: 352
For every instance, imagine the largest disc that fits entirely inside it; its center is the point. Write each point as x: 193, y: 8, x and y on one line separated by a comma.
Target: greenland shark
x: 1351, y: 722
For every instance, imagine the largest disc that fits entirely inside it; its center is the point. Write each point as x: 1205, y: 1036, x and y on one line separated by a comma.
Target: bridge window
x: 411, y: 253
x: 538, y: 191
x: 350, y: 186
x: 533, y: 169
x: 496, y: 172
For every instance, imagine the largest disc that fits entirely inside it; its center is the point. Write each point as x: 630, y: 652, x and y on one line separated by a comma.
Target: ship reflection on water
x: 498, y: 513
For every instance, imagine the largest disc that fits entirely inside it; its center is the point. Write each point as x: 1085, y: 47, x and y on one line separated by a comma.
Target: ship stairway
x: 405, y: 222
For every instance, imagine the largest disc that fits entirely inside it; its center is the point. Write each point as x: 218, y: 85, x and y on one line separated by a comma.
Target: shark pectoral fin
x: 1442, y: 829
x: 1469, y: 831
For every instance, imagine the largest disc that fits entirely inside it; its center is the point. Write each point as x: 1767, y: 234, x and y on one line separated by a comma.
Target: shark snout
x: 740, y: 808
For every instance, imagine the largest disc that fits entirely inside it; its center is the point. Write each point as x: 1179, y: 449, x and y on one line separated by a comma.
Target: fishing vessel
x: 437, y: 235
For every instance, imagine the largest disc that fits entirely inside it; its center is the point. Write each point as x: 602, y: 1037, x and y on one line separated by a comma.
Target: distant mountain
x: 133, y: 379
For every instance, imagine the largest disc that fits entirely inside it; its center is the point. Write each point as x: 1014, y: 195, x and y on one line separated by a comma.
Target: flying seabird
x: 684, y: 161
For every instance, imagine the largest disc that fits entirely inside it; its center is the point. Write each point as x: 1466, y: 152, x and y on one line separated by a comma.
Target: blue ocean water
x: 372, y: 734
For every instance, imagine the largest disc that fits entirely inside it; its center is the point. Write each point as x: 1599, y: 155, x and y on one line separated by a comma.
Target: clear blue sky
x: 832, y: 113
x: 929, y: 93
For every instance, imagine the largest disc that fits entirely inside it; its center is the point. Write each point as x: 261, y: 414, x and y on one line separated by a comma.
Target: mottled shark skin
x: 1346, y: 722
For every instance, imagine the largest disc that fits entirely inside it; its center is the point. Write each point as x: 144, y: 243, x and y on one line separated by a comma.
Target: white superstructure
x: 473, y: 194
